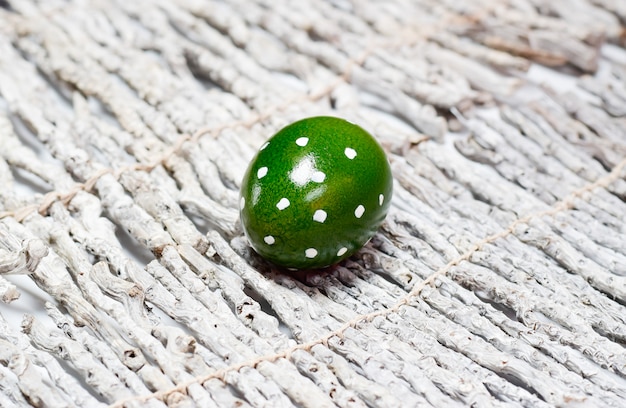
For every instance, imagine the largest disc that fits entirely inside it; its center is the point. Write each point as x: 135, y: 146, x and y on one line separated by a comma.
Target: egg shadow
x: 318, y: 278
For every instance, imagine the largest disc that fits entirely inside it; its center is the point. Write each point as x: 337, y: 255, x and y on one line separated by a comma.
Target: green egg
x: 315, y: 193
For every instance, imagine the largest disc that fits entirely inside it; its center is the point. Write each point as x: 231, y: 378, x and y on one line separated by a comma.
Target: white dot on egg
x: 269, y: 240
x: 318, y: 177
x: 282, y: 204
x: 381, y: 199
x: 261, y: 172
x: 242, y: 203
x: 350, y: 153
x: 310, y: 253
x: 360, y: 210
x: 342, y: 251
x: 320, y: 216
x: 264, y: 145
x: 302, y: 141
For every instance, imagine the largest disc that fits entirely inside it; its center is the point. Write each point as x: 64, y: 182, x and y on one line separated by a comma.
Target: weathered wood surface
x: 498, y: 279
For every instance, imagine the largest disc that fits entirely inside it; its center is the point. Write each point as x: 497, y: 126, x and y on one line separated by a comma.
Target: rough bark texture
x: 498, y: 278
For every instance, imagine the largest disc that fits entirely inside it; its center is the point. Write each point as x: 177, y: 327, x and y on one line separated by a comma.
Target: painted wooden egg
x: 315, y: 193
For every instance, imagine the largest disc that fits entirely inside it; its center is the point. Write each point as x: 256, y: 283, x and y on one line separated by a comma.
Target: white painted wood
x: 498, y: 278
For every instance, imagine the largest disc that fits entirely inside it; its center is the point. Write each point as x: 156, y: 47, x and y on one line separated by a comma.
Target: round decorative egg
x: 315, y: 193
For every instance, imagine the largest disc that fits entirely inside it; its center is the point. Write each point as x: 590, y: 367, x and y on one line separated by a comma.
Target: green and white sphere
x: 315, y: 193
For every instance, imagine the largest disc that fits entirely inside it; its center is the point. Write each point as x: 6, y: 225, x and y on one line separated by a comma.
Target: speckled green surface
x: 315, y: 193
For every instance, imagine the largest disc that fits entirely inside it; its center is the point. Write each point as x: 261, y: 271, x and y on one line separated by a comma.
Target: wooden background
x: 498, y: 278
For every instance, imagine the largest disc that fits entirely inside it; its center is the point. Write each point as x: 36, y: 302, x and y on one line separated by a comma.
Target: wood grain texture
x: 498, y: 278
